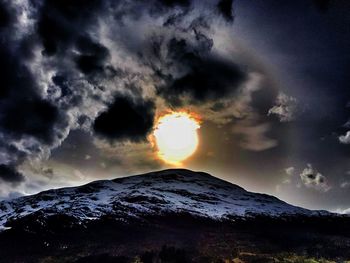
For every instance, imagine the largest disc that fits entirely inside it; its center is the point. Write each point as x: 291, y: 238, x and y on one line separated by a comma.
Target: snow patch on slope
x: 169, y: 191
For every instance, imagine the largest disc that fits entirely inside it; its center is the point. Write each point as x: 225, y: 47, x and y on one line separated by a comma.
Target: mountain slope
x: 135, y: 197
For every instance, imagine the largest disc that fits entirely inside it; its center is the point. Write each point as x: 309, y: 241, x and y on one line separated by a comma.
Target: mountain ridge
x: 136, y: 197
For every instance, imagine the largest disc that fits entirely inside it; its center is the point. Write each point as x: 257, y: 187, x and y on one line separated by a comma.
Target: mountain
x: 170, y: 216
x: 135, y: 197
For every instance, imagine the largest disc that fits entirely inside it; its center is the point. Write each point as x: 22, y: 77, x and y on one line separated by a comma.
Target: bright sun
x: 176, y: 137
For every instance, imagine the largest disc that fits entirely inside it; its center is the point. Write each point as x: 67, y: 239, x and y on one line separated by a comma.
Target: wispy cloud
x: 345, y: 139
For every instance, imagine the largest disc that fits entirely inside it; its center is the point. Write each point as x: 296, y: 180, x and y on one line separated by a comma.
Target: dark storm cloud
x: 62, y: 62
x: 23, y: 111
x: 206, y: 78
x: 93, y: 56
x: 61, y: 22
x: 5, y: 15
x: 322, y: 5
x: 9, y: 174
x: 172, y: 3
x: 30, y: 121
x: 225, y: 8
x: 25, y: 116
x: 126, y: 119
x: 30, y: 117
x: 65, y: 29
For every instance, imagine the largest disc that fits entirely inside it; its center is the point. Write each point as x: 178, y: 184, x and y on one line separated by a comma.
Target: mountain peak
x: 156, y: 193
x: 180, y: 175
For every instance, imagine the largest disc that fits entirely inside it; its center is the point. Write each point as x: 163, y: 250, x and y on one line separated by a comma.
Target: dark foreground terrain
x: 179, y: 238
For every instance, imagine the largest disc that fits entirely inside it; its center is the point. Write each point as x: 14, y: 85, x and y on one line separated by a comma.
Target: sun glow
x: 176, y: 137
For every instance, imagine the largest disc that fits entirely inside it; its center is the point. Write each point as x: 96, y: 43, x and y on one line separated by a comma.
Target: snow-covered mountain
x: 136, y: 197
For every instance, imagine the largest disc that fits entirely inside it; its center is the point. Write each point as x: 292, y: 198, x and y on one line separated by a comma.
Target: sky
x: 83, y: 84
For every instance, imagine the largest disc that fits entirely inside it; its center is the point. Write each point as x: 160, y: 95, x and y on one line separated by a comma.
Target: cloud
x: 126, y: 119
x: 60, y: 24
x: 290, y: 171
x: 322, y: 5
x: 28, y: 117
x: 345, y: 185
x: 225, y: 8
x: 9, y: 174
x: 172, y: 3
x: 345, y: 139
x: 286, y: 178
x: 129, y: 156
x: 190, y: 72
x: 28, y: 122
x: 311, y: 178
x: 285, y: 108
x: 98, y: 66
x: 206, y: 79
x: 92, y: 58
x: 253, y: 136
x: 5, y: 15
x: 237, y: 107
